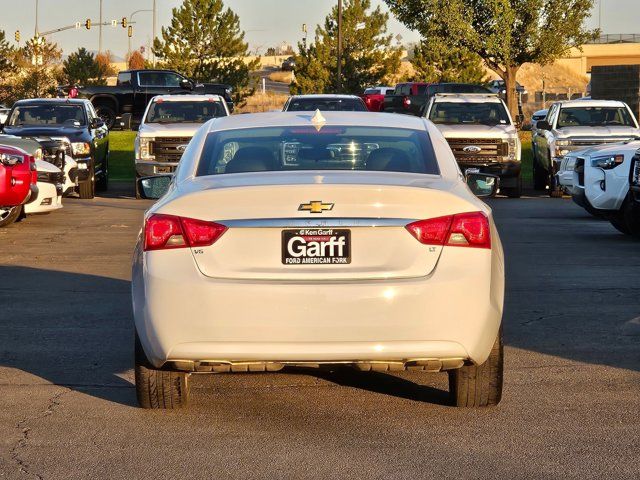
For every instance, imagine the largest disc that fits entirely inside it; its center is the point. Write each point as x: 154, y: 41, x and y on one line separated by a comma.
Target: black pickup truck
x: 411, y: 98
x: 134, y: 90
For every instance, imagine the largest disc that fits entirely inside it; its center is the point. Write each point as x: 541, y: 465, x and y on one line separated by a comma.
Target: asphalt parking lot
x: 572, y: 374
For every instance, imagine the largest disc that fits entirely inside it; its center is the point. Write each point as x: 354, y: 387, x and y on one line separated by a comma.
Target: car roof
x: 467, y: 98
x: 325, y: 96
x: 184, y: 98
x: 304, y: 119
x: 52, y: 101
x: 592, y: 103
x: 540, y: 112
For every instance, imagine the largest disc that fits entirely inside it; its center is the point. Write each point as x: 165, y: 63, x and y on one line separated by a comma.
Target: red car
x: 374, y: 97
x: 18, y: 178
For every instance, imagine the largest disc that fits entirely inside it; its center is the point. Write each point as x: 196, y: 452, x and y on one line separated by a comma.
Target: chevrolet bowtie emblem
x: 315, y: 206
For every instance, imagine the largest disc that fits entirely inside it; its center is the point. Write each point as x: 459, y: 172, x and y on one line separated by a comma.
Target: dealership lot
x: 572, y: 378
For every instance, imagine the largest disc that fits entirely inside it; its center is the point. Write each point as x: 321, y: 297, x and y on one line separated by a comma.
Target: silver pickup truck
x: 577, y: 125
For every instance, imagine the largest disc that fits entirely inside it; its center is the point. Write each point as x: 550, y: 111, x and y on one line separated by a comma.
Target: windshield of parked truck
x: 48, y: 115
x: 184, y: 112
x: 472, y: 113
x: 594, y: 117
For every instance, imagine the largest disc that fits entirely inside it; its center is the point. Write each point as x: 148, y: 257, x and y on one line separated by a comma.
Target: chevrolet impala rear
x: 318, y: 240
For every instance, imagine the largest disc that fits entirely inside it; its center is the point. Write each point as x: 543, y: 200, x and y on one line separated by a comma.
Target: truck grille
x: 579, y: 169
x: 51, y: 177
x: 490, y: 150
x: 169, y: 149
x: 54, y: 150
x: 635, y: 171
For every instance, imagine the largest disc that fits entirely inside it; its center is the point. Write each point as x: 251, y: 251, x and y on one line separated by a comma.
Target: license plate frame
x: 314, y: 246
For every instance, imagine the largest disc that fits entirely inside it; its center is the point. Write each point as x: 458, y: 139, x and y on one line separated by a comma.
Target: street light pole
x: 131, y: 21
x: 339, y: 46
x: 37, y: 28
x: 100, y: 29
x: 153, y: 53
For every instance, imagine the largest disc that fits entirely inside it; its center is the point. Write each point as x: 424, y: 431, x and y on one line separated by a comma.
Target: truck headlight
x: 145, y: 148
x: 81, y: 148
x: 562, y: 147
x: 608, y: 162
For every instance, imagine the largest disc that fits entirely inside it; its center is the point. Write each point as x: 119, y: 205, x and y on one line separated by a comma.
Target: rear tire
x: 107, y: 114
x: 540, y: 176
x: 160, y: 389
x: 9, y: 215
x: 479, y: 385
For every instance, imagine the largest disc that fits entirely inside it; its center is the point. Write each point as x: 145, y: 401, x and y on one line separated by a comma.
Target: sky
x: 266, y: 22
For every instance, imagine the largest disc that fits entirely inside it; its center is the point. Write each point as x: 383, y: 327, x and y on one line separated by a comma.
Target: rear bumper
x: 181, y: 315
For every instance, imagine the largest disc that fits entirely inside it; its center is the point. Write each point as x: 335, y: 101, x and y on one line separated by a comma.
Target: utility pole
x: 100, y: 29
x: 339, y: 46
x: 131, y: 22
x: 36, y: 31
x: 154, y: 33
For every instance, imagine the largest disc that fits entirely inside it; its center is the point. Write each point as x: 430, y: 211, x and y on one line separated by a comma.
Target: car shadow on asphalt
x: 69, y: 329
x: 383, y: 383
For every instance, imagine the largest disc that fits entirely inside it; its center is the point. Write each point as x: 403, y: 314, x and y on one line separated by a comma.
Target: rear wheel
x: 158, y: 388
x: 479, y: 385
x: 8, y: 215
x: 107, y: 114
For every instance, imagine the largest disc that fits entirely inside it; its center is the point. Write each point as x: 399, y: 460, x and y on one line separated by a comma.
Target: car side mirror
x: 483, y: 184
x: 543, y: 125
x: 96, y: 123
x: 186, y: 84
x: 152, y: 188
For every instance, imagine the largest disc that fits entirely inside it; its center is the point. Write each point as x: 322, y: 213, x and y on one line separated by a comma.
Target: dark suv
x: 74, y: 124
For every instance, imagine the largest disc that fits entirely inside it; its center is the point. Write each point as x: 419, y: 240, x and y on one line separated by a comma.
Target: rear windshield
x: 594, y: 117
x: 184, y: 112
x: 66, y: 115
x: 326, y: 105
x: 372, y: 91
x: 305, y: 148
x: 455, y: 113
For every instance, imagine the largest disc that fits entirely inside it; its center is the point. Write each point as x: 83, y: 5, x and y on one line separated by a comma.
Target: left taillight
x: 462, y: 230
x: 163, y: 232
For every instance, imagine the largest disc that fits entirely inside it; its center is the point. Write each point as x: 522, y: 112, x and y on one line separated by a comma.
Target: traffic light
x: 17, y: 36
x: 130, y: 31
x: 87, y: 24
x: 123, y: 22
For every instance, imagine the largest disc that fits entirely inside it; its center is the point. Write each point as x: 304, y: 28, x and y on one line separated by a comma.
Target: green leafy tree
x: 504, y: 33
x: 81, y: 68
x: 434, y: 61
x: 368, y: 57
x: 205, y: 42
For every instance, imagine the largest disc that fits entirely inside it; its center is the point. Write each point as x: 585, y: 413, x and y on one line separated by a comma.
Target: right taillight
x: 461, y: 230
x: 162, y: 232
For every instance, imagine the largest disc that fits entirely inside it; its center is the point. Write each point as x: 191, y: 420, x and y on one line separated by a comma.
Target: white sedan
x: 323, y: 239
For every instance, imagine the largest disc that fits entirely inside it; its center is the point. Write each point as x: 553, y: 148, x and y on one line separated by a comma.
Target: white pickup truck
x: 168, y: 124
x: 576, y: 125
x: 481, y: 135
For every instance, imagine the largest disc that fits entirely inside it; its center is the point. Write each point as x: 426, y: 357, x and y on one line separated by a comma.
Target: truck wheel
x: 540, y: 176
x: 618, y: 221
x: 138, y: 196
x: 107, y: 114
x: 555, y: 191
x: 514, y: 192
x: 479, y: 385
x: 87, y: 189
x: 8, y: 215
x: 102, y: 183
x: 158, y: 388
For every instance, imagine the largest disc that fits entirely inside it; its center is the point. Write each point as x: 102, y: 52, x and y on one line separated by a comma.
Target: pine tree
x: 205, y: 42
x: 81, y: 68
x: 368, y: 58
x: 7, y: 67
x: 434, y: 61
